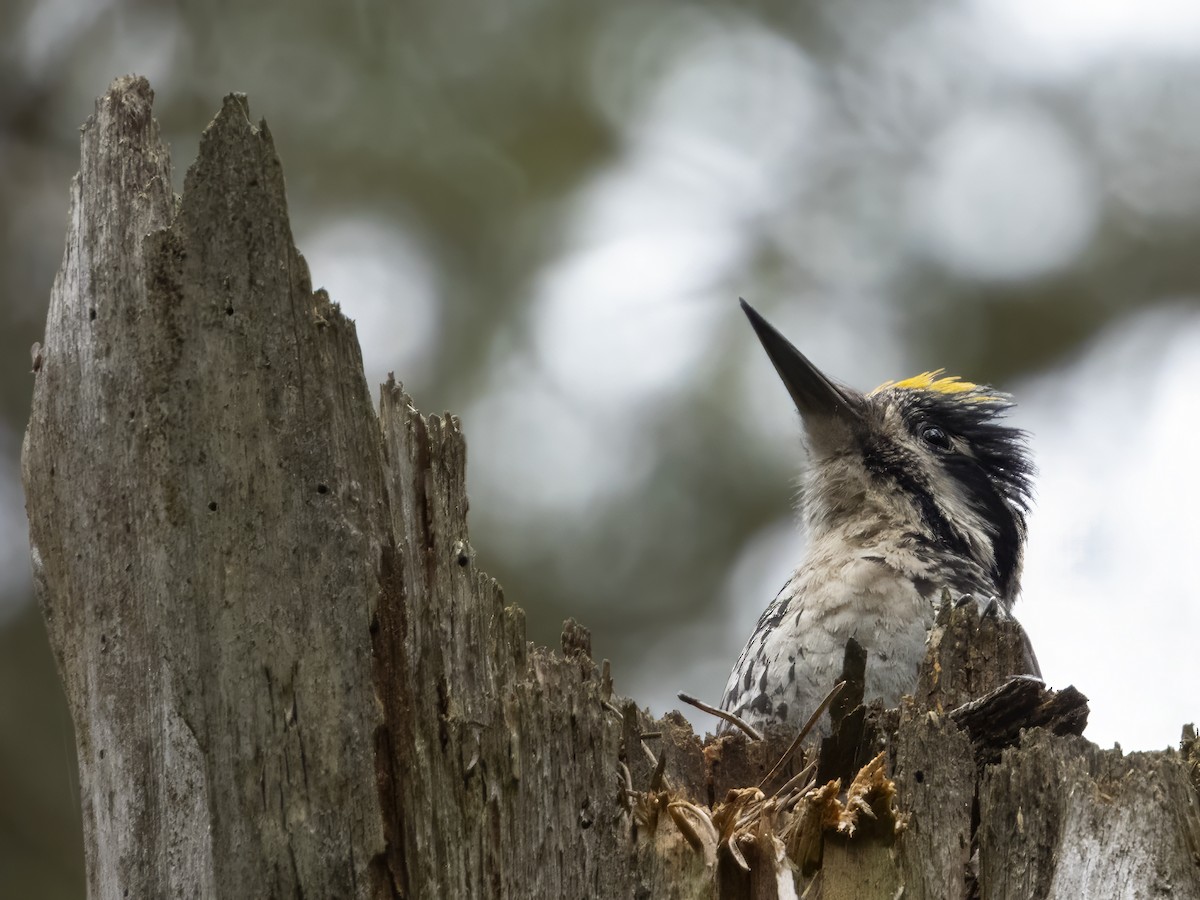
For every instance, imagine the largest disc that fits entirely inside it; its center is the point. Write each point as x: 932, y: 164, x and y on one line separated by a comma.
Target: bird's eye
x: 935, y: 437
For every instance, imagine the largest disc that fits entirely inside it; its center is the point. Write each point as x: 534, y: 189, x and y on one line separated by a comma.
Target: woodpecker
x: 911, y: 490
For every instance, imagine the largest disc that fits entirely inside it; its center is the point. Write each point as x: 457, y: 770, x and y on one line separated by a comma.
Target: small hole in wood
x: 92, y: 314
x: 213, y: 505
x: 229, y: 310
x: 919, y: 777
x: 322, y: 489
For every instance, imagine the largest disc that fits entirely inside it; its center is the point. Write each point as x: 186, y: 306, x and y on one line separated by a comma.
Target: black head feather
x: 962, y: 426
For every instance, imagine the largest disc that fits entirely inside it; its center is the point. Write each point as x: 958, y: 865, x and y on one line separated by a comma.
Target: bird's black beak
x: 815, y: 396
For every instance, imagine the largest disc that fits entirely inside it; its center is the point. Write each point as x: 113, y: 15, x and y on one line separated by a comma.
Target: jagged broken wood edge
x: 246, y: 548
x: 995, y: 721
x: 200, y: 545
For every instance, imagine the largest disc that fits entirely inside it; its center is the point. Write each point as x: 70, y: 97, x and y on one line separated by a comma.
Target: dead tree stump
x: 288, y: 677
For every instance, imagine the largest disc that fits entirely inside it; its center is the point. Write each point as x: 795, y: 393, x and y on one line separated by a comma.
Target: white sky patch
x: 1110, y: 599
x: 631, y: 309
x: 379, y: 275
x: 149, y: 41
x: 52, y: 25
x: 96, y: 40
x: 539, y: 454
x: 745, y: 99
x: 721, y: 88
x: 1066, y: 36
x: 620, y: 324
x: 1005, y: 195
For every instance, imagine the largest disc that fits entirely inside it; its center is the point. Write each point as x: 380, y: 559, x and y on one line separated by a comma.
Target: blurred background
x: 541, y: 214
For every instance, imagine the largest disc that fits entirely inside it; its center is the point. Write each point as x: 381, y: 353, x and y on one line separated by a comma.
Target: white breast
x: 795, y: 655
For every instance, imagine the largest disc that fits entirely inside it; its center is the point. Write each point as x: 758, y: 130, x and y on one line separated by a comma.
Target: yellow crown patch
x: 929, y: 381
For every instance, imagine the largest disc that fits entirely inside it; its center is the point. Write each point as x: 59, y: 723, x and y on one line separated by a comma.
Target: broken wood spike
x: 1189, y: 748
x: 804, y: 834
x: 732, y: 809
x: 753, y: 733
x: 696, y: 826
x: 660, y: 766
x: 808, y: 726
x: 841, y: 753
x: 873, y: 795
x: 576, y: 640
x: 694, y: 822
x: 995, y: 720
x: 626, y: 778
x: 798, y: 783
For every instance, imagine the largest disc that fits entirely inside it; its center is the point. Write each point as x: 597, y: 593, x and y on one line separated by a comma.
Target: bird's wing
x: 744, y: 692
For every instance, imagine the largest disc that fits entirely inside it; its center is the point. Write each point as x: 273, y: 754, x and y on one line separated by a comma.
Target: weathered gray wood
x: 289, y: 678
x: 935, y: 776
x: 503, y: 766
x: 1062, y: 818
x: 994, y: 721
x: 969, y: 655
x: 205, y: 497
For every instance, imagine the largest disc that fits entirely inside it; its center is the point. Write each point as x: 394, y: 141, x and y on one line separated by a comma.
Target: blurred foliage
x: 802, y: 131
